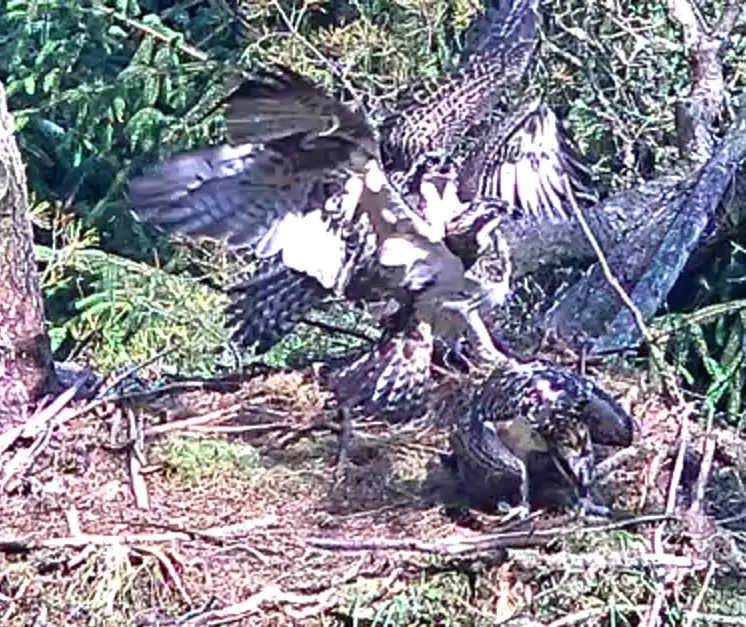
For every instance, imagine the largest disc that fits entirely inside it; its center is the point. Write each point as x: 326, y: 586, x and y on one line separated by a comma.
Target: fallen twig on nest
x: 40, y: 419
x: 594, y: 612
x: 608, y: 561
x: 460, y: 545
x: 40, y: 427
x: 167, y: 563
x: 27, y: 545
x: 311, y: 603
x: 652, y: 618
x: 288, y: 602
x: 221, y: 414
x: 137, y: 462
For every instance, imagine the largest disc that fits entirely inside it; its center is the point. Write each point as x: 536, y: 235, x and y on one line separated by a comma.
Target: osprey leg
x: 344, y: 442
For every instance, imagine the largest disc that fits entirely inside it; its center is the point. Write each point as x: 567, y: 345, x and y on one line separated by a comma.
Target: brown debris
x: 271, y: 541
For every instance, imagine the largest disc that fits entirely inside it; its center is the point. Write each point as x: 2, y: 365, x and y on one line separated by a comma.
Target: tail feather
x: 390, y: 381
x: 609, y: 423
x: 267, y: 307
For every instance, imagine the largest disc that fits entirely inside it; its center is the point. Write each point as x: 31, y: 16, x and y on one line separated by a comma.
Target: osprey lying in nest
x: 533, y: 420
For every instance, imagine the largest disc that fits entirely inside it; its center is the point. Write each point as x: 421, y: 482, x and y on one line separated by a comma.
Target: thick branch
x: 648, y: 206
x: 25, y: 357
x: 699, y: 108
x: 650, y: 260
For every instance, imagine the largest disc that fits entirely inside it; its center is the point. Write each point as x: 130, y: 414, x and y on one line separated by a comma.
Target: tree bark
x: 26, y: 367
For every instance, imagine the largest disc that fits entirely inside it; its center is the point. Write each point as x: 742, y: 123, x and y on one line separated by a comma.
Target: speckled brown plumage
x: 533, y: 412
x: 433, y: 114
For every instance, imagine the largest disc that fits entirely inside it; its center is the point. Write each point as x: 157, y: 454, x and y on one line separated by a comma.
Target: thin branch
x: 185, y: 48
x: 41, y: 418
x: 593, y: 612
x: 332, y: 328
x: 690, y: 615
x: 137, y: 462
x: 332, y: 67
x: 461, y: 545
x: 224, y: 413
x: 669, y: 381
x: 130, y: 372
x: 678, y: 467
x: 27, y: 545
x: 704, y: 474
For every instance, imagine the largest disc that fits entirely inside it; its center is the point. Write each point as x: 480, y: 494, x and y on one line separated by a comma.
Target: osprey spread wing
x: 277, y: 192
x: 293, y: 189
x: 430, y: 115
x: 433, y: 114
x: 523, y: 160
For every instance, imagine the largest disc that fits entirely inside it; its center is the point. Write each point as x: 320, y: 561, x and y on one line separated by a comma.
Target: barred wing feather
x: 434, y: 113
x: 523, y: 161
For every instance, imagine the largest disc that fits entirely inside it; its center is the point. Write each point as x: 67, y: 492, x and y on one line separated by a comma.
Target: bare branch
x: 670, y: 386
x: 727, y: 22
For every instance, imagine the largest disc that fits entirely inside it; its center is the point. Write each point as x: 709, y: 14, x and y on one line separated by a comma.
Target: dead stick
x: 454, y: 546
x: 21, y: 545
x: 186, y: 423
x: 669, y: 381
x: 31, y: 427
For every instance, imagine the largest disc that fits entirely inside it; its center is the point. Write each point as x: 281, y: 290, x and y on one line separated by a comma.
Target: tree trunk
x: 26, y: 367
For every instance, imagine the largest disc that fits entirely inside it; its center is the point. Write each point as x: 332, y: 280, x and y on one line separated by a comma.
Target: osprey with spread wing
x: 307, y: 170
x: 429, y: 119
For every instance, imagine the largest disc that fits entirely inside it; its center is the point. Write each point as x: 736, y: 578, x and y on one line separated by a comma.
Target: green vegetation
x: 204, y: 461
x: 100, y: 87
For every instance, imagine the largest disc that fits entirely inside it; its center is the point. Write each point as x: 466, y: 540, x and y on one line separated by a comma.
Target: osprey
x: 302, y: 185
x: 519, y: 161
x: 428, y: 121
x: 307, y: 170
x: 530, y: 411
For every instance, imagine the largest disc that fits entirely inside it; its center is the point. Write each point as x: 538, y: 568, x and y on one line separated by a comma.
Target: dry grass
x: 232, y: 511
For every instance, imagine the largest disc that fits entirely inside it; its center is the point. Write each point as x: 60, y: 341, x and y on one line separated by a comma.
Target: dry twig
x: 27, y: 545
x: 652, y: 617
x: 137, y: 462
x: 671, y: 389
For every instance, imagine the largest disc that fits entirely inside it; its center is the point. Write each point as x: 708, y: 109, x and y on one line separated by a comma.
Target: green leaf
x: 117, y: 32
x: 151, y: 89
x: 107, y: 135
x: 119, y: 106
x: 20, y: 120
x: 144, y: 53
x: 29, y: 85
x: 51, y: 81
x: 164, y: 58
x: 143, y: 126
